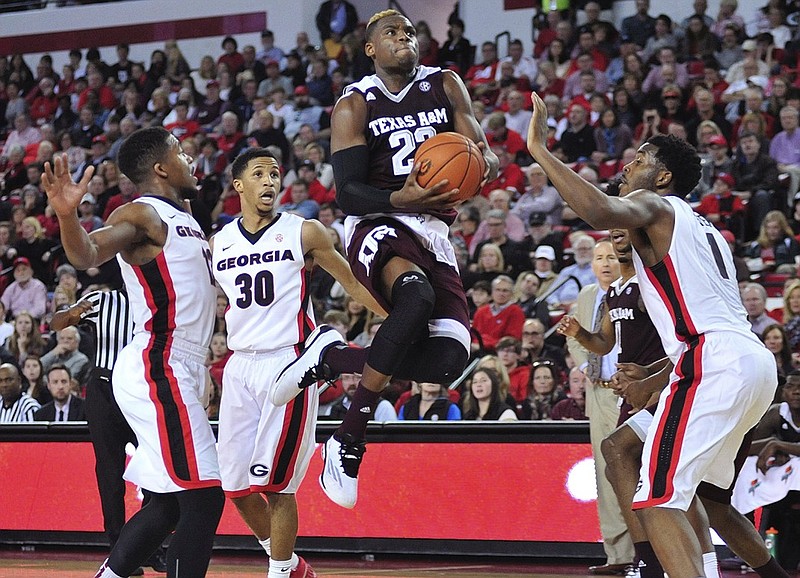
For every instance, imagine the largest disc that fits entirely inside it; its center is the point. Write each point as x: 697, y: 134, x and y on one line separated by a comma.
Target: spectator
x: 501, y: 318
x: 64, y: 406
x: 431, y: 403
x: 559, y: 63
x: 699, y: 42
x: 274, y: 80
x: 25, y: 293
x: 253, y: 64
x: 268, y: 50
x: 668, y: 71
x: 480, y: 78
x: 749, y: 65
x: 66, y: 353
x: 17, y: 405
x: 574, y: 406
x: 23, y: 134
x: 508, y: 353
x: 705, y: 110
x: 539, y: 197
x: 320, y: 84
x: 785, y: 150
x: 525, y: 293
x: 730, y: 48
x: 540, y: 232
x: 727, y: 17
x: 722, y: 207
x: 89, y: 221
x: 230, y: 138
x: 756, y: 177
x: 581, y: 270
x: 26, y: 339
x: 209, y: 112
x: 775, y: 246
x: 306, y: 173
x: 498, y: 134
x: 127, y: 193
x: 231, y: 56
x: 33, y: 379
x: 335, y: 19
x: 544, y: 391
x: 577, y: 142
x: 307, y: 113
x: 663, y: 37
x: 577, y: 83
x: 611, y: 137
x: 384, y: 411
x: 754, y: 299
x: 35, y: 248
x: 524, y: 66
x: 44, y: 106
x: 183, y: 127
x: 300, y: 203
x: 500, y: 199
x: 517, y: 118
x: 513, y: 253
x: 775, y: 338
x: 490, y: 264
x: 483, y: 401
x: 639, y: 27
x: 218, y: 356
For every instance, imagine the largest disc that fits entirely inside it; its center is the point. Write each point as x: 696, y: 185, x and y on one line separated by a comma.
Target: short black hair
x: 681, y: 159
x: 230, y: 39
x: 241, y: 161
x: 141, y: 150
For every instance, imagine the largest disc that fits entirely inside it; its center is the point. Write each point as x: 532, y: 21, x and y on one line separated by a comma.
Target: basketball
x: 454, y: 157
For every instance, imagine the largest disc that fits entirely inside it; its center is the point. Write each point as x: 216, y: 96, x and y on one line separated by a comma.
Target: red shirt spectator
x: 509, y: 175
x: 500, y: 318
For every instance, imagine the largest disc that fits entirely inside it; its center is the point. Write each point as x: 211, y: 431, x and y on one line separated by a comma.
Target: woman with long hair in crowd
x: 490, y: 264
x: 558, y: 55
x: 699, y: 42
x: 483, y: 400
x: 776, y: 340
x: 206, y: 72
x: 545, y: 390
x: 26, y: 339
x: 775, y: 244
x: 33, y: 380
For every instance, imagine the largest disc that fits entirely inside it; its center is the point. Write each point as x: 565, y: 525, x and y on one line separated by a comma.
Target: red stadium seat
x: 773, y: 283
x: 776, y: 314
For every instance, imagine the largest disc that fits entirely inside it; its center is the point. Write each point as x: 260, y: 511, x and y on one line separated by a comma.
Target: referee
x: 109, y: 313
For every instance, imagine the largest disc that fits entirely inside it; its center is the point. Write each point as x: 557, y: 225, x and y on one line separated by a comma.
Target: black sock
x: 342, y: 359
x: 355, y: 420
x: 771, y: 570
x: 648, y: 564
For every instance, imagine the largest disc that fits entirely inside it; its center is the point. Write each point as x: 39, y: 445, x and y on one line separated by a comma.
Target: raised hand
x: 63, y: 193
x: 568, y: 326
x: 537, y: 129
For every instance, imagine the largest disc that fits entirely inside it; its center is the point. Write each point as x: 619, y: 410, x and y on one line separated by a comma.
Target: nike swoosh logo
x: 172, y: 216
x: 228, y: 247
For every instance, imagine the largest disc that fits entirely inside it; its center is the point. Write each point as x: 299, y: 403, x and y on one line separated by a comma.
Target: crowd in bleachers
x: 726, y: 83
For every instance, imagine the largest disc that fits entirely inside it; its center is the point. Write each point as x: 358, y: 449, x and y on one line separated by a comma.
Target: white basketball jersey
x: 185, y: 261
x: 693, y: 290
x: 266, y: 281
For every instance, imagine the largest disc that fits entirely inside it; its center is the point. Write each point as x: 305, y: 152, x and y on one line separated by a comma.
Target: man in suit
x: 601, y: 408
x: 65, y: 406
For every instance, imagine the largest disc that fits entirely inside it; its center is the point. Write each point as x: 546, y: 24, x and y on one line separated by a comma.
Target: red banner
x: 475, y: 491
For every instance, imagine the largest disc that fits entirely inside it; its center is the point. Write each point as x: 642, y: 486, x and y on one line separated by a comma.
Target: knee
x: 451, y: 359
x: 413, y: 294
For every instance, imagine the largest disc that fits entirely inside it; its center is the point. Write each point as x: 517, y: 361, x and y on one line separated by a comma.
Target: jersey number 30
x: 260, y: 289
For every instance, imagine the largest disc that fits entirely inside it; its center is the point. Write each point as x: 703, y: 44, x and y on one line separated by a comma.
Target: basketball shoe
x: 303, y: 570
x: 306, y: 369
x: 339, y: 477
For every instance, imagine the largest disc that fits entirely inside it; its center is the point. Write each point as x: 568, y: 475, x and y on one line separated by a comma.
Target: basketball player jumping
x: 723, y: 378
x: 160, y: 378
x: 263, y: 262
x: 396, y: 231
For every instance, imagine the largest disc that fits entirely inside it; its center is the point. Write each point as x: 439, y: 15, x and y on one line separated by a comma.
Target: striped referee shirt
x: 20, y: 411
x: 111, y: 316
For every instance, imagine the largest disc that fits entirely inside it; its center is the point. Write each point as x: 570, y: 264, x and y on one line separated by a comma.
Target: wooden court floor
x: 78, y: 563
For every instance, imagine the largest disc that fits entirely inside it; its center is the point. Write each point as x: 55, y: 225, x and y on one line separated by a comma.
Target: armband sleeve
x: 353, y: 195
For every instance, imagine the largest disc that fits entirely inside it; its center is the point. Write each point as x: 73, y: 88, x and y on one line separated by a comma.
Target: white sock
x: 710, y: 565
x: 265, y: 545
x: 279, y: 568
x: 105, y: 572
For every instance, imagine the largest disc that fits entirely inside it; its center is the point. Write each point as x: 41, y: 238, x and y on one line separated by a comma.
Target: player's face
x: 641, y: 172
x: 259, y: 186
x: 179, y: 170
x: 622, y: 244
x: 393, y: 44
x: 10, y: 384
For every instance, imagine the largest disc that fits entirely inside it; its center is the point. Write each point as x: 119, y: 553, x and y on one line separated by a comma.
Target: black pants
x: 110, y: 433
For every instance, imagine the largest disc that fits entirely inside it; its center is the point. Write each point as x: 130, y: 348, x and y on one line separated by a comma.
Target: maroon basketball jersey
x: 636, y: 335
x: 398, y: 123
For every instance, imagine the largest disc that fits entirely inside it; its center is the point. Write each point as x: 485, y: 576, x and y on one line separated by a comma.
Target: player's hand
x: 771, y: 456
x: 637, y: 395
x: 568, y: 326
x: 537, y: 129
x: 416, y: 198
x: 63, y: 193
x: 492, y: 164
x: 631, y: 371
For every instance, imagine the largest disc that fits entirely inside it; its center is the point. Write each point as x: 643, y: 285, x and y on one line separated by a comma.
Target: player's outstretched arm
x: 317, y: 244
x: 70, y: 316
x: 83, y: 250
x: 634, y: 211
x: 466, y: 123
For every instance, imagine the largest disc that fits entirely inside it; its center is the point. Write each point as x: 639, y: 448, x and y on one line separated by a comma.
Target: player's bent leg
x: 308, y: 368
x: 413, y: 299
x: 190, y: 549
x: 436, y: 359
